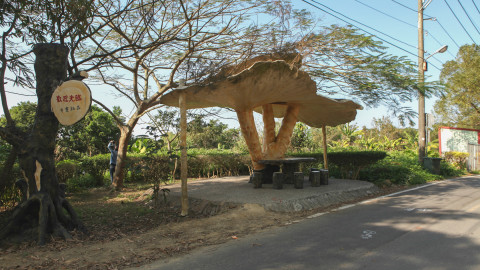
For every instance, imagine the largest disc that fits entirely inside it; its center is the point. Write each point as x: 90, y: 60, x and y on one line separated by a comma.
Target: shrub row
x: 402, y: 168
x: 154, y: 168
x: 345, y: 164
x: 375, y: 166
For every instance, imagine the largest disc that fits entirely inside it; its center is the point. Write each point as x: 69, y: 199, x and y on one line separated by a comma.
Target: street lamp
x: 441, y: 50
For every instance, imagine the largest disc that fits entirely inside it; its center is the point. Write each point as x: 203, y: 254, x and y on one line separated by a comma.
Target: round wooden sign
x: 71, y: 102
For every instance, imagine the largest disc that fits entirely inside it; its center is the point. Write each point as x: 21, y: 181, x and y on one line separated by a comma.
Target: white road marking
x: 367, y: 234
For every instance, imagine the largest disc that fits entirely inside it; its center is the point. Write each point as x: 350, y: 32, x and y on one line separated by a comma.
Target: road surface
x: 436, y: 226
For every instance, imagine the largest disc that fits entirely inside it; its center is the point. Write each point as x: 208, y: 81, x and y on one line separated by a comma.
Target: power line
x: 430, y: 17
x: 476, y: 7
x: 387, y: 14
x: 357, y: 26
x: 407, y: 23
x: 459, y: 21
x: 394, y: 45
x: 468, y: 16
x: 20, y: 94
x: 438, y: 42
x: 447, y: 33
x: 403, y: 42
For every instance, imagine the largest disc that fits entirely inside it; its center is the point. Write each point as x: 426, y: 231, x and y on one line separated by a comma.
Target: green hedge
x: 402, y: 168
x: 350, y: 163
x: 374, y: 166
x: 66, y: 169
x: 154, y: 168
x: 95, y: 166
x: 148, y: 168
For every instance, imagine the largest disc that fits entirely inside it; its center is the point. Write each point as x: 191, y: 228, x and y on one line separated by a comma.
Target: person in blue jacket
x: 113, y: 158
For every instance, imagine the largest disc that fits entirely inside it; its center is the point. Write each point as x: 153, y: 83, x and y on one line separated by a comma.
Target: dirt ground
x: 127, y: 229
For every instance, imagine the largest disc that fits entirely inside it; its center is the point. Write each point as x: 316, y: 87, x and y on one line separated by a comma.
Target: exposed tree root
x: 50, y: 218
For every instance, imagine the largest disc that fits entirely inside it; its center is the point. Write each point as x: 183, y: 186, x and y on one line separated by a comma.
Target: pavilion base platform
x: 238, y: 190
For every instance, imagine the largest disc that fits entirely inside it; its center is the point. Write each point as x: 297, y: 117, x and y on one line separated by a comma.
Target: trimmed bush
x: 350, y: 163
x: 147, y: 168
x: 402, y: 168
x: 457, y: 159
x: 66, y: 169
x: 80, y: 182
x: 96, y: 167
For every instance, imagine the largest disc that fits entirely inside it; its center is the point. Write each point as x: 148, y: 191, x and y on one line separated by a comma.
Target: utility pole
x: 421, y: 93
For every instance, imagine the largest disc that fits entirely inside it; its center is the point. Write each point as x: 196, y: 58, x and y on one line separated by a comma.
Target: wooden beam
x: 325, y: 160
x: 182, y: 103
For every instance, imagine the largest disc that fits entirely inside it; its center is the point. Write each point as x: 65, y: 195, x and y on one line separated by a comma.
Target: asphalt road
x: 433, y: 227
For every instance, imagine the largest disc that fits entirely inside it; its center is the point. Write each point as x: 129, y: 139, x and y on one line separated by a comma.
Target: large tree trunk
x: 43, y: 210
x: 125, y: 136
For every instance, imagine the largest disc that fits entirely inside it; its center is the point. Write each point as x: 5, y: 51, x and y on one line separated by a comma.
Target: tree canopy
x: 459, y: 103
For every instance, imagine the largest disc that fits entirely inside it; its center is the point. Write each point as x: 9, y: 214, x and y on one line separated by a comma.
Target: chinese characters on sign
x: 66, y: 99
x: 70, y: 98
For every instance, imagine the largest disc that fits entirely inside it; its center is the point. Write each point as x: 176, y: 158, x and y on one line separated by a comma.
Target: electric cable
x: 458, y: 20
x: 430, y: 17
x: 438, y: 42
x: 468, y: 16
x: 407, y: 23
x: 476, y: 7
x: 386, y: 14
x: 448, y: 33
x: 394, y: 45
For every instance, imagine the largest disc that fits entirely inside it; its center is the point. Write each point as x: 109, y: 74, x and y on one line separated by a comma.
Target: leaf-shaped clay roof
x: 268, y: 82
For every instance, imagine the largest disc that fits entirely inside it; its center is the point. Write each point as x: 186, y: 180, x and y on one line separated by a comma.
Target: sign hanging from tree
x: 71, y: 101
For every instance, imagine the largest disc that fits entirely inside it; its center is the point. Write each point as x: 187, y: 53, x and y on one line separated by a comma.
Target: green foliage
x: 351, y: 162
x: 457, y: 159
x: 450, y: 170
x: 9, y: 197
x: 82, y: 181
x: 219, y: 165
x: 23, y: 114
x: 139, y: 146
x: 301, y: 138
x: 460, y: 101
x: 402, y: 168
x: 158, y: 168
x: 213, y: 134
x: 95, y: 167
x: 90, y: 136
x: 66, y: 169
x: 4, y: 151
x: 148, y: 168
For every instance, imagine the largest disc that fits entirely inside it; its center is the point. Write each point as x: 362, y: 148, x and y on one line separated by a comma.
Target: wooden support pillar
x: 325, y: 160
x: 183, y: 155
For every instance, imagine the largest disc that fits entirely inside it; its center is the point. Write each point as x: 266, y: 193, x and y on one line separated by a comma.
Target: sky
x: 394, y: 22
